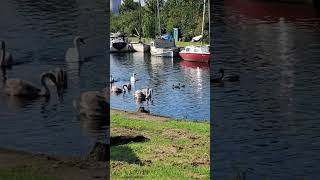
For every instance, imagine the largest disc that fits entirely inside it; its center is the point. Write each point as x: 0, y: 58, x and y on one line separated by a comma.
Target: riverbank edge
x: 151, y: 117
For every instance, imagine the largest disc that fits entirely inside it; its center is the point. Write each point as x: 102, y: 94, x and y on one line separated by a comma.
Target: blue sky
x: 114, y: 5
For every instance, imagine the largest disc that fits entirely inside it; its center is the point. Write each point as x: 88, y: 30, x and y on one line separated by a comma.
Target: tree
x: 127, y: 6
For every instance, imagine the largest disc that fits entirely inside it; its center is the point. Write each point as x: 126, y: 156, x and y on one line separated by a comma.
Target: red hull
x: 195, y: 57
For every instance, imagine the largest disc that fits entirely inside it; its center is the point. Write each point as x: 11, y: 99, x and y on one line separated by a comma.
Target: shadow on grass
x: 124, y: 153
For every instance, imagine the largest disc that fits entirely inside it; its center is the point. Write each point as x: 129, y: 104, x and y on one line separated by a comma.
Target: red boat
x: 195, y: 53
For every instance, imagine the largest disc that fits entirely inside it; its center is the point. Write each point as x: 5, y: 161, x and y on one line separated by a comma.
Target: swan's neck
x: 221, y: 75
x: 76, y: 45
x: 125, y: 87
x: 45, y: 90
x: 3, y: 56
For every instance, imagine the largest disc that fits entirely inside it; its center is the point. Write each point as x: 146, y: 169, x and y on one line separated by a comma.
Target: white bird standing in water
x: 73, y: 54
x: 6, y: 59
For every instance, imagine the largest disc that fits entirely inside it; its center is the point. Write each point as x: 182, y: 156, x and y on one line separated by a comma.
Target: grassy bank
x: 176, y: 149
x: 178, y: 44
x: 18, y: 165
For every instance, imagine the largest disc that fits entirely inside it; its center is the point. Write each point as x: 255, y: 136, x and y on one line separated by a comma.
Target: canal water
x: 267, y: 125
x: 37, y: 34
x: 190, y: 102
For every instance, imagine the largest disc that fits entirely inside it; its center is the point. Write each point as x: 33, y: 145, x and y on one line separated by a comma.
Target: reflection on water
x: 267, y: 125
x: 191, y: 101
x: 37, y: 34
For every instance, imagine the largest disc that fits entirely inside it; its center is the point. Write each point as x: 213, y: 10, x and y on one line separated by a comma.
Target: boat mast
x: 158, y: 17
x: 209, y: 19
x: 204, y: 11
x: 140, y: 19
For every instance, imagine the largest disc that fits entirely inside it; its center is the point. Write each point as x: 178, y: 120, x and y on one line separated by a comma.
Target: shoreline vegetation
x: 162, y: 148
x: 179, y: 44
x: 169, y: 149
x: 187, y: 16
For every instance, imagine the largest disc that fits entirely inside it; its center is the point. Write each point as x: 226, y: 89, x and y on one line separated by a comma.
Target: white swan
x: 22, y: 88
x: 6, y: 59
x: 133, y: 78
x: 73, y: 54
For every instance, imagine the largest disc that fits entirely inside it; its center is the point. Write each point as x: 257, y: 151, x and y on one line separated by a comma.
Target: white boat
x: 164, y: 48
x: 119, y: 43
x: 140, y: 47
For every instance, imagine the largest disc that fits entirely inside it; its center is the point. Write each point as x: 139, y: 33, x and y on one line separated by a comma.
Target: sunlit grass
x: 176, y: 149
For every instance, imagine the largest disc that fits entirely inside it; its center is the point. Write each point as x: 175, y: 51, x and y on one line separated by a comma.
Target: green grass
x: 176, y: 149
x: 23, y: 174
x: 178, y: 44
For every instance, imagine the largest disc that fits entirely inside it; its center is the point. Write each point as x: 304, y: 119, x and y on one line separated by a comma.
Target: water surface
x: 268, y: 124
x: 38, y: 34
x: 190, y: 102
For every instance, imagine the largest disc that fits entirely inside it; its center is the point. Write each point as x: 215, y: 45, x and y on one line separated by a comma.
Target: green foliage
x: 183, y: 14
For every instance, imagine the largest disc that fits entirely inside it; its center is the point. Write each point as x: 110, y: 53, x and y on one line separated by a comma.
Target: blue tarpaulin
x: 167, y: 37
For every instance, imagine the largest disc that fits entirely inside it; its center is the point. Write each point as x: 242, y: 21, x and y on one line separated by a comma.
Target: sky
x: 114, y: 5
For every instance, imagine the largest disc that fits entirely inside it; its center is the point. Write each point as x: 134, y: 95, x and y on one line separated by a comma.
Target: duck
x: 176, y: 86
x: 6, y: 59
x: 222, y: 78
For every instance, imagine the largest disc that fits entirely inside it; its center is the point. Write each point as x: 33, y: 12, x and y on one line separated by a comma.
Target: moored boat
x: 119, y: 43
x: 195, y: 53
x: 164, y: 47
x: 140, y: 47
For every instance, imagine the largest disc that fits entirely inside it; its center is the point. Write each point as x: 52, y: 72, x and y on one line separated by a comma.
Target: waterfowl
x: 6, y: 59
x: 73, y: 54
x: 61, y: 77
x: 176, y: 86
x: 133, y: 78
x: 22, y: 88
x: 143, y: 110
x: 143, y: 94
x: 230, y: 78
x: 128, y: 86
x: 111, y: 79
x: 222, y: 78
x: 117, y: 90
x: 93, y: 104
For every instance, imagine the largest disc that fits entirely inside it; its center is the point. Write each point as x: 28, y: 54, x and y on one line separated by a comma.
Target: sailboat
x: 140, y: 46
x: 163, y: 46
x: 197, y: 53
